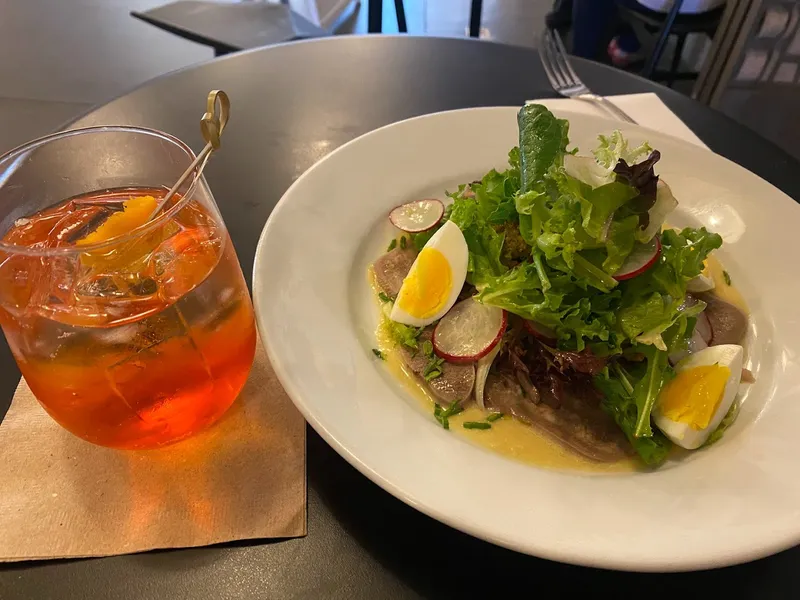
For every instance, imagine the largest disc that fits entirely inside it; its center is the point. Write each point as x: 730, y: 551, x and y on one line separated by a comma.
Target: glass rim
x: 137, y: 232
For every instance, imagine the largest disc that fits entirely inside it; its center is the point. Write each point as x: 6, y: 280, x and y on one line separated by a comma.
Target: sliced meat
x: 728, y: 323
x: 578, y: 425
x: 392, y: 268
x: 454, y: 384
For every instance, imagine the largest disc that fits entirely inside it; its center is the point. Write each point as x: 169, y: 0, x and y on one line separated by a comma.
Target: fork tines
x: 556, y: 64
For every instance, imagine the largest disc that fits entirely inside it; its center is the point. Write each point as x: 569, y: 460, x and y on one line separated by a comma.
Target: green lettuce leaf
x: 480, y: 216
x: 653, y: 301
x: 647, y: 389
x: 618, y: 402
x: 682, y: 256
x: 620, y: 242
x: 542, y: 141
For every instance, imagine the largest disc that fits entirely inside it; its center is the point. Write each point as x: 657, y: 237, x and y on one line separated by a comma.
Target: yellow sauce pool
x: 728, y: 293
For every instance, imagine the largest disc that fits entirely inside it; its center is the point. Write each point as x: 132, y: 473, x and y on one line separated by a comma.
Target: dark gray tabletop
x: 292, y: 105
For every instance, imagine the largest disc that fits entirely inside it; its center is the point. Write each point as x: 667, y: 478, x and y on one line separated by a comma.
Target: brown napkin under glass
x: 243, y: 478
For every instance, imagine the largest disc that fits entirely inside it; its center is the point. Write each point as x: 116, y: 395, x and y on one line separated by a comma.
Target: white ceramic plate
x: 737, y: 501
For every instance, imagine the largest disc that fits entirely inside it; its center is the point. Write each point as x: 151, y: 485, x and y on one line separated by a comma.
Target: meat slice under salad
x: 456, y: 382
x: 391, y: 268
x: 728, y: 323
x: 576, y: 424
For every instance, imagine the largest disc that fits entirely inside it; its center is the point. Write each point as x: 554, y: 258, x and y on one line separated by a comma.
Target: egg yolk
x: 693, y: 397
x: 427, y: 287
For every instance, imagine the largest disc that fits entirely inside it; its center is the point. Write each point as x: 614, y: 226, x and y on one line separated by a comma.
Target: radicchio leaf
x: 643, y: 178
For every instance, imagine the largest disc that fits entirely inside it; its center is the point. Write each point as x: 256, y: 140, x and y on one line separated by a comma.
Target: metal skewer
x: 211, y: 126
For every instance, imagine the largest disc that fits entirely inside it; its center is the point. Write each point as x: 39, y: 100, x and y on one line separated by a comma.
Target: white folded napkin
x: 646, y: 109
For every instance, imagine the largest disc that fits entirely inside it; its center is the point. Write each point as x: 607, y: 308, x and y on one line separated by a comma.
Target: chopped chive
x: 434, y: 367
x: 726, y: 277
x: 383, y: 297
x: 494, y: 417
x: 392, y: 245
x: 403, y: 242
x: 454, y: 409
x: 440, y: 416
x: 431, y: 374
x: 378, y: 353
x: 476, y: 425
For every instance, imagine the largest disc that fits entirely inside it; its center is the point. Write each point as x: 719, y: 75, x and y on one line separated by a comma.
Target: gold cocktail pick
x: 211, y: 126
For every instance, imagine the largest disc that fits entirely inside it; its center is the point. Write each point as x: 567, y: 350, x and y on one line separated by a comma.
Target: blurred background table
x: 362, y: 542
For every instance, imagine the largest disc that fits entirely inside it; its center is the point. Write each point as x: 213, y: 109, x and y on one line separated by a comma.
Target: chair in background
x: 646, y: 23
x: 475, y: 10
x: 375, y: 16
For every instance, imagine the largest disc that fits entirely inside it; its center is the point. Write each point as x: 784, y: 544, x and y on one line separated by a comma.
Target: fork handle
x: 609, y: 106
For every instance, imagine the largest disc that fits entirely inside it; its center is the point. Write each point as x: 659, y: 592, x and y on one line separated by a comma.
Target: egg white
x: 728, y: 355
x: 451, y: 243
x: 701, y: 283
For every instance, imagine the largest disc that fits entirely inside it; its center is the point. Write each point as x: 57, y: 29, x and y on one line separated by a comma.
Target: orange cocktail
x: 131, y: 332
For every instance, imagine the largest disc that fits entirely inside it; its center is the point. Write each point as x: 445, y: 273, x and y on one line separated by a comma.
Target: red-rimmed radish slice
x: 416, y: 216
x: 469, y: 331
x: 541, y: 332
x: 642, y: 258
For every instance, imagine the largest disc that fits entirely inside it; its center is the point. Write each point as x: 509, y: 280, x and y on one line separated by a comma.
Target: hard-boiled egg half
x: 692, y: 405
x: 435, y: 280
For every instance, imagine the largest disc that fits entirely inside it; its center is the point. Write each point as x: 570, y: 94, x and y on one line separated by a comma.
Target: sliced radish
x: 417, y: 216
x: 469, y: 331
x: 642, y: 258
x: 541, y: 332
x: 482, y: 372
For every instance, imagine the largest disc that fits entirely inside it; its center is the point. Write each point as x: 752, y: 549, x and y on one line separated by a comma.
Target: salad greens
x: 403, y: 335
x: 546, y: 237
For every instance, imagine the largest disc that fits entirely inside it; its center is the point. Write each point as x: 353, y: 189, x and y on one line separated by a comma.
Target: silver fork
x: 563, y: 78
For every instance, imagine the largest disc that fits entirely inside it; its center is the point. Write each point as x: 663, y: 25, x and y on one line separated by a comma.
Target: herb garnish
x: 392, y: 245
x: 726, y: 277
x: 378, y: 353
x: 443, y: 414
x: 383, y: 297
x: 476, y: 425
x: 433, y: 369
